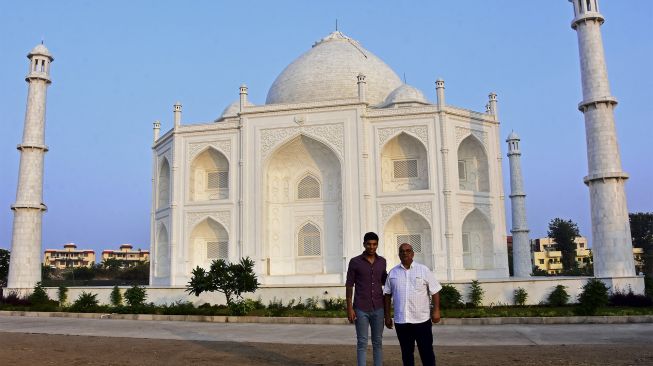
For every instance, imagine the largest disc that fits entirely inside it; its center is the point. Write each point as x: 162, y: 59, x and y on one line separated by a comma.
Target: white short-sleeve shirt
x: 411, y: 290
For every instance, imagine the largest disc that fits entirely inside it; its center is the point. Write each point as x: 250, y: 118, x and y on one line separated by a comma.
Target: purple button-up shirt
x: 367, y: 279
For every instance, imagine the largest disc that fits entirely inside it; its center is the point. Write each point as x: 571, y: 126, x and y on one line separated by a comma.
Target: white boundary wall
x: 497, y: 292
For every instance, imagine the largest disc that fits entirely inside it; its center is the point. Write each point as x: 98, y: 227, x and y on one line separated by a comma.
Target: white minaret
x: 521, y: 250
x: 612, y: 243
x: 25, y: 263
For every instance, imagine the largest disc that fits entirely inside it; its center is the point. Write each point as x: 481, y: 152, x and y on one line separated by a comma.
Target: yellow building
x: 127, y: 255
x: 69, y: 257
x: 547, y: 257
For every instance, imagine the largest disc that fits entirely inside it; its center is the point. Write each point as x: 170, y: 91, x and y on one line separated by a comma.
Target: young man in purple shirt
x: 367, y: 273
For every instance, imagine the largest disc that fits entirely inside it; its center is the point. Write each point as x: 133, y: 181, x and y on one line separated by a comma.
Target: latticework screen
x: 309, y: 241
x: 217, y: 250
x: 415, y: 240
x: 217, y: 180
x: 308, y: 188
x: 405, y: 168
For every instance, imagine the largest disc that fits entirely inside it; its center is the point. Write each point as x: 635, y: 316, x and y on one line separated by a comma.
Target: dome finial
x: 336, y: 24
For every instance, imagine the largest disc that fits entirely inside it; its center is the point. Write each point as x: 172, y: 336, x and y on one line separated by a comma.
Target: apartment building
x: 127, y: 255
x: 68, y: 257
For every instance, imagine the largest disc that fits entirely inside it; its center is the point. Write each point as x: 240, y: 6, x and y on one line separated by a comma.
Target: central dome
x: 328, y: 71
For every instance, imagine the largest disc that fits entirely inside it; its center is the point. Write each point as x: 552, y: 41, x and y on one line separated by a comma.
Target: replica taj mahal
x: 342, y: 146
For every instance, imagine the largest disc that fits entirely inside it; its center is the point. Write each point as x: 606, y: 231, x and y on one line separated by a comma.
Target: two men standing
x: 410, y: 285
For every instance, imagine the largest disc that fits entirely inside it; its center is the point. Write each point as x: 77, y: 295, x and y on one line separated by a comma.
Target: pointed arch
x: 473, y: 166
x: 209, y: 176
x: 163, y: 184
x: 209, y: 240
x: 302, y: 182
x: 408, y: 226
x: 404, y: 164
x: 162, y: 248
x: 476, y: 241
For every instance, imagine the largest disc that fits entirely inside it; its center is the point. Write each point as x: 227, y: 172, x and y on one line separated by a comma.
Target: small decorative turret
x: 362, y: 88
x: 177, y: 113
x: 439, y: 90
x: 243, y: 97
x: 157, y: 128
x: 492, y: 105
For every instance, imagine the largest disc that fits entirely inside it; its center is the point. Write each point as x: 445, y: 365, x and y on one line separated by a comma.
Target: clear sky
x: 120, y: 65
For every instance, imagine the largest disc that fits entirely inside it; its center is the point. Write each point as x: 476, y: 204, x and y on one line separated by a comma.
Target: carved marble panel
x: 390, y: 209
x: 421, y: 132
x: 332, y: 135
x: 462, y: 132
x: 224, y: 146
x: 222, y: 217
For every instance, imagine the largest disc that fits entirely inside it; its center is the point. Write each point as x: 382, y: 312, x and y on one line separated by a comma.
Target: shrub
x: 312, y: 303
x: 241, y: 307
x: 62, y: 295
x: 559, y: 296
x: 335, y: 304
x: 135, y: 296
x: 450, y: 297
x: 232, y: 279
x: 520, y: 296
x: 116, y: 296
x: 593, y: 296
x: 476, y: 294
x: 622, y: 298
x: 85, y: 303
x: 14, y: 299
x: 38, y: 296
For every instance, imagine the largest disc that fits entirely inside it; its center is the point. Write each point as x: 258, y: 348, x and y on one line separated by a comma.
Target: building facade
x: 341, y: 147
x: 127, y: 255
x: 68, y: 257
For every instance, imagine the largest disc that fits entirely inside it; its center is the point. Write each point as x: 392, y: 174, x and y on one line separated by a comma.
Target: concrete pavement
x: 445, y: 335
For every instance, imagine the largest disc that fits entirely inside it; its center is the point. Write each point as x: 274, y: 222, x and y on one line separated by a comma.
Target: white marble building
x: 340, y: 147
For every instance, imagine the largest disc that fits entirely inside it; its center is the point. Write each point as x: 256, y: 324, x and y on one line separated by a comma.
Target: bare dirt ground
x: 41, y: 349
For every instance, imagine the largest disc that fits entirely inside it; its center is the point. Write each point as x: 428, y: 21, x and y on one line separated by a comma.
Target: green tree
x: 62, y: 295
x: 476, y: 293
x: 116, y: 296
x: 232, y: 279
x: 135, y: 296
x: 39, y: 296
x: 4, y: 269
x: 641, y: 230
x: 564, y: 232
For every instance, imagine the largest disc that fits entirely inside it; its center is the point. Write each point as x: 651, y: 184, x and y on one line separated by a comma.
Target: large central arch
x: 303, y: 209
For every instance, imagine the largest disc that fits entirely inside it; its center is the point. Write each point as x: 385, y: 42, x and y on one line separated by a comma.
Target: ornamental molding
x: 331, y: 134
x: 223, y: 146
x: 319, y: 220
x: 420, y: 132
x: 221, y: 217
x: 462, y: 133
x: 466, y: 208
x: 388, y: 210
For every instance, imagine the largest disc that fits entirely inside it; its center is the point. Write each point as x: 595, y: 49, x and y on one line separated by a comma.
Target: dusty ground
x: 40, y: 349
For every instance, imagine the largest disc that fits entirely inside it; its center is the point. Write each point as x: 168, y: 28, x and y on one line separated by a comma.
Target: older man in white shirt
x: 410, y: 286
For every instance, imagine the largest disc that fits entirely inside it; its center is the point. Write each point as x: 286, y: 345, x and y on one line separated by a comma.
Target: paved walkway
x: 445, y: 335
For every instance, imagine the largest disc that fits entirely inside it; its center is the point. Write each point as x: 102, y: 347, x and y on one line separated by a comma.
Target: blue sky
x: 120, y: 65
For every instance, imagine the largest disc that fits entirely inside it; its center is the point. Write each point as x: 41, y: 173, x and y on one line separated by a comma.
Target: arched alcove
x: 404, y: 164
x: 477, y: 247
x: 407, y: 226
x: 209, y: 241
x: 473, y: 172
x: 209, y: 176
x: 302, y: 186
x: 163, y: 185
x: 162, y: 264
